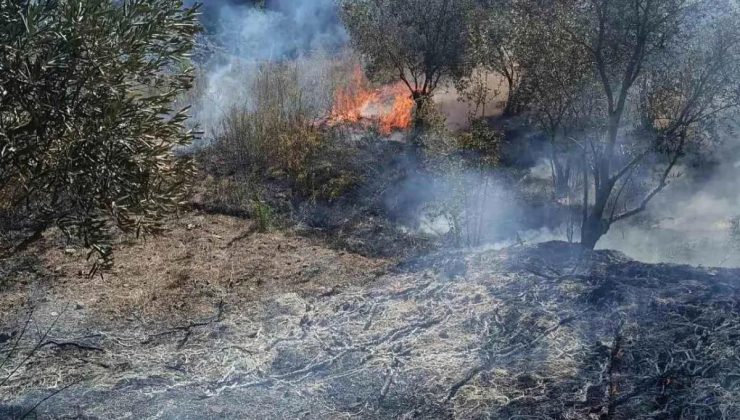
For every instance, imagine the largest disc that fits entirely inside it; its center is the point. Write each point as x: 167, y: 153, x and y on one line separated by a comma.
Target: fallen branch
x: 63, y: 344
x: 48, y: 397
x: 188, y: 328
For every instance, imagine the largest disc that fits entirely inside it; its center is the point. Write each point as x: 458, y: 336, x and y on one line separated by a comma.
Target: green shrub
x: 482, y: 142
x: 87, y: 129
x: 262, y: 214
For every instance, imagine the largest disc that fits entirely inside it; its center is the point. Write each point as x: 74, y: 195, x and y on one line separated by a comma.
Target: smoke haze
x: 689, y: 222
x: 245, y: 36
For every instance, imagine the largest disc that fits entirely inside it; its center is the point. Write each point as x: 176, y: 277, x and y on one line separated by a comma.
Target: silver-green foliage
x: 419, y: 41
x: 87, y: 130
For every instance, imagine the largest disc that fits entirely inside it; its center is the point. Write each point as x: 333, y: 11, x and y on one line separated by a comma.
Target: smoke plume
x: 695, y: 220
x: 240, y: 36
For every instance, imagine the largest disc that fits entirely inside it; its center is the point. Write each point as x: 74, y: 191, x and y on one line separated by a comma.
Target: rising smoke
x: 691, y: 221
x: 240, y: 36
x: 278, y: 30
x: 695, y: 220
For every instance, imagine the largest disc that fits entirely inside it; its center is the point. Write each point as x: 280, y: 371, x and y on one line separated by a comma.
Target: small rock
x: 191, y: 226
x: 70, y: 251
x: 78, y: 306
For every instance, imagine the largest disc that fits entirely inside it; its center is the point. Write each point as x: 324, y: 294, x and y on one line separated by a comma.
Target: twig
x: 18, y: 340
x: 33, y: 351
x: 188, y: 328
x: 48, y: 397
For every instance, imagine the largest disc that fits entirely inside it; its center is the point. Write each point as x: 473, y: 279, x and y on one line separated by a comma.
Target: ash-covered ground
x: 546, y: 331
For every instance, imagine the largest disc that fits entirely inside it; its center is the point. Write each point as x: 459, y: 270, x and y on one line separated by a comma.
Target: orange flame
x: 391, y: 107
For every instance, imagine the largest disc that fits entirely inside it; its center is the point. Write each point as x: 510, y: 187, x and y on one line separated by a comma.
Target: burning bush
x: 390, y: 107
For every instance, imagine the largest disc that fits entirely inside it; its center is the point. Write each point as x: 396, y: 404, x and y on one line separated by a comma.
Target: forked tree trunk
x: 421, y: 101
x: 594, y: 224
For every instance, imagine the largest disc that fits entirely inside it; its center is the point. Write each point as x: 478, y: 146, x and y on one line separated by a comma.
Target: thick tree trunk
x: 592, y: 229
x: 594, y: 224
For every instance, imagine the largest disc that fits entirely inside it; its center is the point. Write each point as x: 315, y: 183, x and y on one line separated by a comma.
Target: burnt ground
x: 214, y: 320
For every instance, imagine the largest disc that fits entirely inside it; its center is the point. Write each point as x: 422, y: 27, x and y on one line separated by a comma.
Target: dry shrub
x: 275, y: 132
x: 275, y: 138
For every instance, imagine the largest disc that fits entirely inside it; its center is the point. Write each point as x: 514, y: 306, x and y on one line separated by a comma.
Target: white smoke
x: 691, y: 222
x: 245, y: 36
x: 279, y: 30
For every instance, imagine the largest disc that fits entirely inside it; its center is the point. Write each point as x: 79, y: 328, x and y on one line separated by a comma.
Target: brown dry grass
x: 199, y: 261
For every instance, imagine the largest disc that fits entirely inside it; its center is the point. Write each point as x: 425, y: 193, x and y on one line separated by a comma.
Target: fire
x: 390, y: 107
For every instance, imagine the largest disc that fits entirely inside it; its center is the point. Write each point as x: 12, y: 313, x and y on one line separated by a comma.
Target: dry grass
x: 529, y: 332
x: 276, y: 136
x: 274, y: 131
x: 200, y: 261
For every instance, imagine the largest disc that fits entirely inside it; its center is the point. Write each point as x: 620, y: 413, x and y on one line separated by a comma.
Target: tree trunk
x: 512, y: 107
x: 420, y: 124
x: 592, y: 229
x: 561, y: 176
x: 517, y: 100
x: 594, y: 225
x: 421, y: 100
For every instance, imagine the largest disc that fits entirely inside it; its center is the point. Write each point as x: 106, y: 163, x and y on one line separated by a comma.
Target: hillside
x: 214, y: 320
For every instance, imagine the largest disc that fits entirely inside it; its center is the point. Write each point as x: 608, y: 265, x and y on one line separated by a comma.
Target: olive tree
x: 88, y: 136
x: 421, y: 42
x: 498, y: 37
x: 662, y: 74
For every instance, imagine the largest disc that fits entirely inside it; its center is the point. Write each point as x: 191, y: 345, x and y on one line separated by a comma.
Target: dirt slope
x: 532, y: 332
